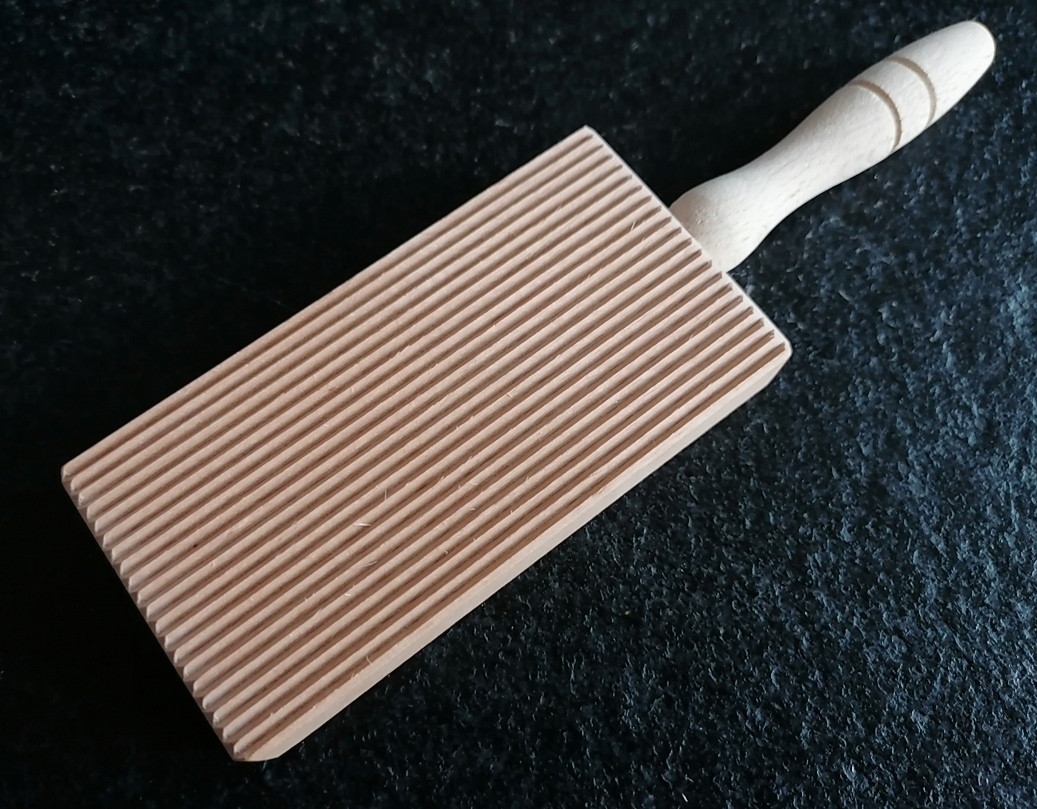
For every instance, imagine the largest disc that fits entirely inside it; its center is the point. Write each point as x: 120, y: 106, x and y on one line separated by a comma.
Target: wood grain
x: 309, y: 514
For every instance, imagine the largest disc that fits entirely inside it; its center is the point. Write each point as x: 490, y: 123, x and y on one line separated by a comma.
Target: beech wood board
x: 306, y: 516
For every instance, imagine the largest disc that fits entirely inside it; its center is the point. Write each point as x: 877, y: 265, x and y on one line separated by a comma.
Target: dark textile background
x: 829, y: 599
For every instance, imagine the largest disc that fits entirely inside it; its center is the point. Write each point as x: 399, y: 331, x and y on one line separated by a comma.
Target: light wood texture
x: 870, y: 118
x: 309, y: 514
x: 302, y: 519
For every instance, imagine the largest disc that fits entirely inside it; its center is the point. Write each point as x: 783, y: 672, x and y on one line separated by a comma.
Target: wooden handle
x: 865, y: 121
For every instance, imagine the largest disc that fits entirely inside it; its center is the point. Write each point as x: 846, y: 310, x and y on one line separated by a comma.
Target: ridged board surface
x: 306, y: 516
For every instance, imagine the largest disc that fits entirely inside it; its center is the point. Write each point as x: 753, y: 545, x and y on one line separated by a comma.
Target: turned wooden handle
x: 865, y: 121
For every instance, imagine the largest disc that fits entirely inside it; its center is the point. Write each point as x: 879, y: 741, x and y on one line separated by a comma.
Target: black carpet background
x: 829, y: 599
